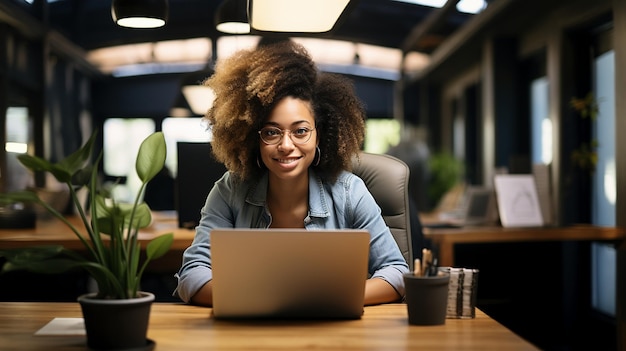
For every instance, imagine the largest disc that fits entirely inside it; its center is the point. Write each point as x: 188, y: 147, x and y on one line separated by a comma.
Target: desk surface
x: 184, y: 327
x: 52, y: 231
x: 55, y: 232
x: 446, y: 238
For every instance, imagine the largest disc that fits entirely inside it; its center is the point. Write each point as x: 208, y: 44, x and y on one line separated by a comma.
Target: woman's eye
x: 301, y: 131
x: 271, y: 133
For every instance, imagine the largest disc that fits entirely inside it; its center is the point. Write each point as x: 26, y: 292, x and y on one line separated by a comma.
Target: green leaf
x: 105, y: 214
x: 41, y: 259
x: 23, y: 196
x: 37, y: 164
x: 143, y: 217
x: 106, y: 225
x: 34, y: 163
x: 122, y: 212
x: 61, y: 174
x: 76, y: 160
x: 159, y: 246
x: 151, y: 157
x: 31, y: 254
x: 65, y: 169
x: 104, y: 206
x: 82, y: 176
x: 49, y: 266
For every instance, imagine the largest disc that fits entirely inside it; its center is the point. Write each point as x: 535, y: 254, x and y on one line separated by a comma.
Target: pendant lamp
x: 140, y: 13
x: 231, y: 17
x: 199, y: 97
x: 289, y: 16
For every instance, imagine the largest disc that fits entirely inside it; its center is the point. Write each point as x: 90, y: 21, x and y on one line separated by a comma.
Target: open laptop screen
x: 289, y: 273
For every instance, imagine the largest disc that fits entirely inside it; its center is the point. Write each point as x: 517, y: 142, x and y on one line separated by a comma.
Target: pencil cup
x: 426, y: 298
x: 462, y: 291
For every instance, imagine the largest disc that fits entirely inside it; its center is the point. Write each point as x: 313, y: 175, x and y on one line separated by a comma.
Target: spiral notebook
x: 289, y: 273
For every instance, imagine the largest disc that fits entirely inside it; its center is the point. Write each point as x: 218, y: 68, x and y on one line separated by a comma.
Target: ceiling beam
x: 464, y: 36
x: 470, y: 30
x: 63, y: 47
x: 430, y: 24
x: 18, y: 19
x: 33, y: 28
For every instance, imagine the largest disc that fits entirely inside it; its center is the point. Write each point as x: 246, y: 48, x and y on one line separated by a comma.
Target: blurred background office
x: 458, y: 89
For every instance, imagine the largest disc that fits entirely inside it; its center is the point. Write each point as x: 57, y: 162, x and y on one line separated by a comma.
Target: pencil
x: 417, y: 266
x: 426, y: 257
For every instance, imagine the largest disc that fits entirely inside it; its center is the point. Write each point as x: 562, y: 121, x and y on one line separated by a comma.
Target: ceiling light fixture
x: 296, y: 16
x: 140, y: 13
x: 231, y: 17
x: 199, y: 97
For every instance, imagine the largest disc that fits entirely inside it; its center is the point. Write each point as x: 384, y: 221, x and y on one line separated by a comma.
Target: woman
x: 287, y: 135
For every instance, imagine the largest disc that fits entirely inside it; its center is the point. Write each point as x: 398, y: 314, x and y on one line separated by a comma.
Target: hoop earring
x: 319, y: 156
x: 258, y: 163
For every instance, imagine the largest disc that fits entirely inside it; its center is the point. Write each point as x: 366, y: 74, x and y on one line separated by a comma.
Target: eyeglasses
x: 273, y: 135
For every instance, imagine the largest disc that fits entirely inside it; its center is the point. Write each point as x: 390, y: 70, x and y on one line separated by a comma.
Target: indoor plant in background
x: 585, y: 156
x: 109, y: 234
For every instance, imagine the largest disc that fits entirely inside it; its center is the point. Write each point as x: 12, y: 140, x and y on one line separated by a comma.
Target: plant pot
x: 120, y: 324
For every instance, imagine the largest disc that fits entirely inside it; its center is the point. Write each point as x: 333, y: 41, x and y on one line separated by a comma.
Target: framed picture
x: 518, y: 202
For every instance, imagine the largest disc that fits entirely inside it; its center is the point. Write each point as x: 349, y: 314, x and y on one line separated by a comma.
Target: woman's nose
x: 286, y: 143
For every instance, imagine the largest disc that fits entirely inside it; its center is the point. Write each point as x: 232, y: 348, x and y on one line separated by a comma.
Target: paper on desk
x: 63, y: 326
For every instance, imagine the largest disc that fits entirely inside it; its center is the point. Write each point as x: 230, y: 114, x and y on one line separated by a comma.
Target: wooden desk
x: 445, y: 239
x: 54, y: 232
x: 184, y: 327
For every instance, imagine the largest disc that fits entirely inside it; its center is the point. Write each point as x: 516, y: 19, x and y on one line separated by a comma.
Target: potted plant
x: 585, y: 156
x: 110, y: 237
x: 445, y: 173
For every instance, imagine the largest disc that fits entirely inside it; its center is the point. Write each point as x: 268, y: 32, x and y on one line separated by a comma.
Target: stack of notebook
x: 462, y: 293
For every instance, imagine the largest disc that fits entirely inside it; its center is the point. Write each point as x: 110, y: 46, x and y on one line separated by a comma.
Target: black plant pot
x: 117, y: 324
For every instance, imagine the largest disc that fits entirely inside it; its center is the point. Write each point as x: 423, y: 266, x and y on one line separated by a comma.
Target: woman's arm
x: 386, y: 263
x: 378, y: 291
x: 204, y: 296
x: 195, y: 273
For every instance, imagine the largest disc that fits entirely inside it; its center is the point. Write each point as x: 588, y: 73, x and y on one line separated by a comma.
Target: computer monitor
x: 197, y: 172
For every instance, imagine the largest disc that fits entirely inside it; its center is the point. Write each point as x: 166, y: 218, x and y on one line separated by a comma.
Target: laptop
x: 476, y: 208
x: 289, y: 273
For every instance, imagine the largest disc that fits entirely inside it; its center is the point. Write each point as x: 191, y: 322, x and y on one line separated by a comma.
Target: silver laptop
x: 289, y: 273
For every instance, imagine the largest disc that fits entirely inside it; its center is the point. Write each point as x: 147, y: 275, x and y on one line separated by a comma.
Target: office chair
x: 387, y: 179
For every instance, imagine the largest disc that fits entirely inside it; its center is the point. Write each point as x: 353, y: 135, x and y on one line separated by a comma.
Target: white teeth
x: 287, y: 161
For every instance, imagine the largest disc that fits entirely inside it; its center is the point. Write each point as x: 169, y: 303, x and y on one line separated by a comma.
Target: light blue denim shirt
x: 344, y: 204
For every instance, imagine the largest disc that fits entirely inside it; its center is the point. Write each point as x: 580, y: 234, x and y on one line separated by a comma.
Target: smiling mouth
x: 287, y: 160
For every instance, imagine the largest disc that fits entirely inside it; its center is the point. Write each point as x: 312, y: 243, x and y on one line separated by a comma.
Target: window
x: 17, y: 139
x: 381, y: 134
x: 603, y: 256
x: 540, y: 122
x: 604, y: 182
x: 122, y: 138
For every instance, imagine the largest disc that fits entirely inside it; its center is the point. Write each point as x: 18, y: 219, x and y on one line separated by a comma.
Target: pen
x: 432, y: 269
